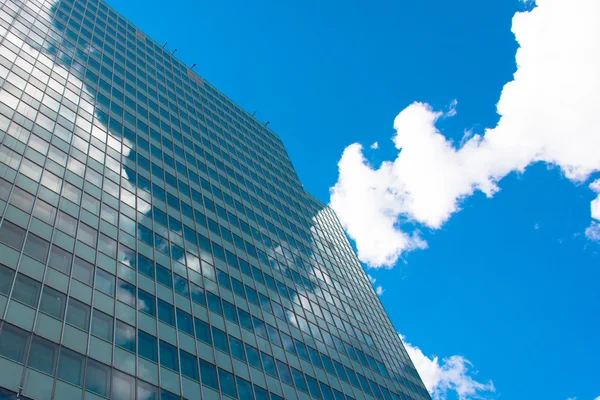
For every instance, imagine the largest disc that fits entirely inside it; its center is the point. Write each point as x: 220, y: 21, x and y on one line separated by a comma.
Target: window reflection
x: 53, y: 302
x: 43, y: 355
x: 13, y: 343
x: 26, y: 290
x: 71, y: 367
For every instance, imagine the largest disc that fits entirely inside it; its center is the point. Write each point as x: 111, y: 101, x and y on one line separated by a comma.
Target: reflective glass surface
x: 156, y: 241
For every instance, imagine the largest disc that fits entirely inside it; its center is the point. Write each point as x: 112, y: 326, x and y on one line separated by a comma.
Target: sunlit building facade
x: 155, y: 241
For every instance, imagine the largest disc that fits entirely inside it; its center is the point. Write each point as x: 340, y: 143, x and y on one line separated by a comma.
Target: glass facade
x: 155, y: 241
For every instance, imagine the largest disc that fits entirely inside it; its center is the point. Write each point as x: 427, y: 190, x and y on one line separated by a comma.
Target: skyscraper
x: 155, y: 241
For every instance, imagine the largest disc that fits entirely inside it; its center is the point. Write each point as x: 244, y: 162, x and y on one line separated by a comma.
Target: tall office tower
x: 155, y: 241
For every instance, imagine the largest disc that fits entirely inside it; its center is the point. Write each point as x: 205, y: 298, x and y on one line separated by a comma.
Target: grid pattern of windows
x: 156, y: 241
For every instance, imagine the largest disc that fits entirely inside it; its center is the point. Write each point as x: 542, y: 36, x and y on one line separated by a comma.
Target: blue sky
x: 508, y: 281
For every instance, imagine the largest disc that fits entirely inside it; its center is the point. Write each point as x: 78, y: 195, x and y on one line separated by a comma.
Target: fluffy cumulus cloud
x: 452, y: 375
x: 547, y: 114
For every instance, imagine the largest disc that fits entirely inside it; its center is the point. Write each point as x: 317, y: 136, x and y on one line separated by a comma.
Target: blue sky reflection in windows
x: 172, y: 244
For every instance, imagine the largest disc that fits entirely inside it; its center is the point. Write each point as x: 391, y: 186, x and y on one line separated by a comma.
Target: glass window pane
x: 44, y: 211
x: 268, y: 364
x: 189, y: 365
x: 42, y: 355
x: 274, y: 335
x: 125, y: 336
x: 105, y: 282
x: 146, y: 391
x: 146, y: 303
x: 164, y: 395
x: 314, y: 357
x: 5, y: 188
x: 78, y: 314
x: 126, y: 293
x: 102, y: 325
x: 184, y: 322
x: 284, y: 372
x: 145, y: 235
x: 145, y: 266
x: 66, y: 223
x: 122, y: 387
x: 109, y: 214
x: 97, y: 378
x: 259, y: 327
x: 60, y: 259
x: 230, y: 311
x: 53, y: 302
x: 147, y: 346
x: 91, y: 204
x: 224, y: 279
x: 208, y: 374
x: 83, y: 271
x: 299, y: 381
x: 227, y: 382
x: 237, y: 348
x: 214, y: 303
x: 252, y: 295
x: 364, y: 384
x: 26, y: 290
x: 220, y: 340
x: 166, y: 313
x: 71, y: 367
x: 181, y: 285
x: 244, y: 388
x: 253, y: 356
x: 203, y: 331
x: 302, y: 352
x: 260, y: 393
x: 13, y: 343
x: 168, y: 356
x: 12, y: 234
x: 238, y: 288
x: 22, y: 199
x: 313, y: 387
x: 87, y: 235
x: 107, y: 245
x: 288, y: 343
x: 351, y: 374
x: 245, y: 320
x: 37, y: 248
x: 6, y: 278
x: 198, y: 294
x: 339, y: 395
x: 328, y: 364
x: 163, y: 275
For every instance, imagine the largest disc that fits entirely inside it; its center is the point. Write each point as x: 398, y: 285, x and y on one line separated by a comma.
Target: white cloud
x: 595, y: 186
x: 378, y: 289
x: 452, y: 375
x: 452, y: 109
x: 593, y: 231
x: 547, y: 113
x: 375, y: 146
